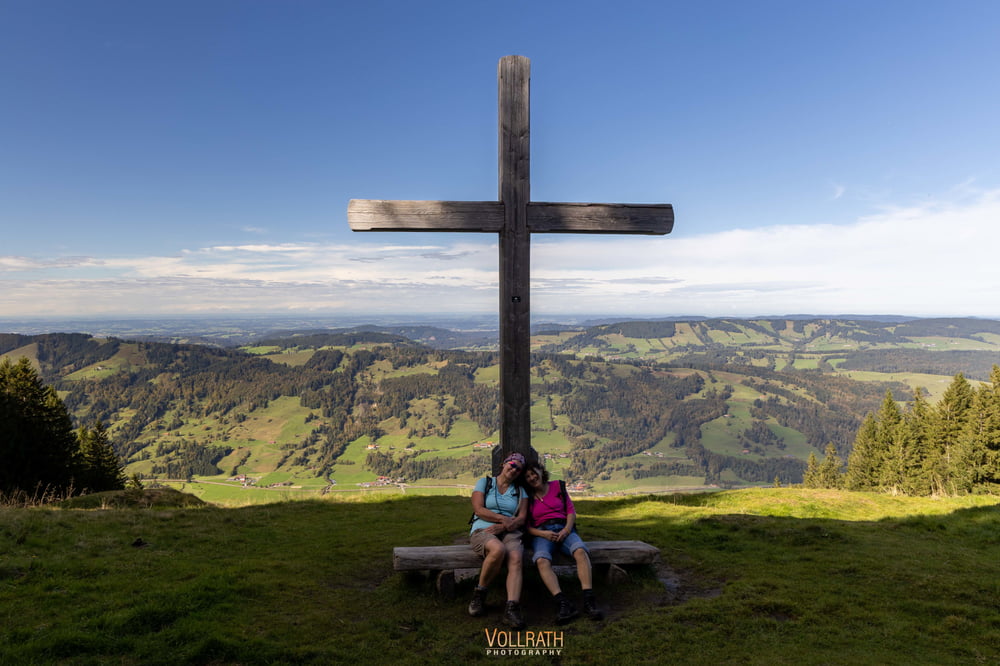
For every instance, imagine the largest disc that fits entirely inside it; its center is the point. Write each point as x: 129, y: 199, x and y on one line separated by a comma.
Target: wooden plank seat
x: 438, y: 558
x: 442, y: 561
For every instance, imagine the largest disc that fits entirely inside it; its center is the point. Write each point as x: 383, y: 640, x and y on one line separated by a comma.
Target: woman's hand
x: 563, y: 533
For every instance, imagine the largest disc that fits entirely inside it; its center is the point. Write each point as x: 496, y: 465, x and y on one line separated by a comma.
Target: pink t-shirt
x: 549, y: 509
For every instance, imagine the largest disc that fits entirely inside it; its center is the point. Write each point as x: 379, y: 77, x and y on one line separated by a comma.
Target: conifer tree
x: 990, y: 433
x: 891, y: 447
x: 863, y: 462
x: 101, y: 468
x: 948, y: 448
x: 889, y: 419
x: 915, y: 428
x: 830, y: 470
x: 38, y: 449
x: 975, y: 454
x: 810, y: 478
x: 948, y: 425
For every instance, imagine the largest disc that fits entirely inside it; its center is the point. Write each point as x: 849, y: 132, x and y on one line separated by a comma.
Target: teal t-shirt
x: 503, y: 503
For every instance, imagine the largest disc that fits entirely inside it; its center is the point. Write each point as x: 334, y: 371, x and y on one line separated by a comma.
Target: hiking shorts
x: 511, y: 541
x: 543, y: 548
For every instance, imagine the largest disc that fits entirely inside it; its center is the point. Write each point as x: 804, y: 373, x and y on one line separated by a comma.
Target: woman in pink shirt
x: 551, y: 521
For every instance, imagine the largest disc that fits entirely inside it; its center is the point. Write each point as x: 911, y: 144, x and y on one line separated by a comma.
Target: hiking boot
x: 477, y: 606
x: 567, y: 611
x: 512, y: 615
x: 590, y: 607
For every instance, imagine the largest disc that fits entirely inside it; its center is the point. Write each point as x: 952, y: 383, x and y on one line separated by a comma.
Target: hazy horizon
x: 271, y: 323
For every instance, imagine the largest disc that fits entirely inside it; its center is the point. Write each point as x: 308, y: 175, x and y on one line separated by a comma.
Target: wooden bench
x: 442, y: 561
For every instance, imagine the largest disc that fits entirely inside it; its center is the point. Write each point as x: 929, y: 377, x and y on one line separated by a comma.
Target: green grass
x: 770, y: 576
x: 262, y: 350
x: 951, y: 344
x: 933, y: 386
x: 292, y: 357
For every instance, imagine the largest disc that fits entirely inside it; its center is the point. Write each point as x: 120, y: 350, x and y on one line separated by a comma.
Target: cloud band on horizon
x: 929, y: 259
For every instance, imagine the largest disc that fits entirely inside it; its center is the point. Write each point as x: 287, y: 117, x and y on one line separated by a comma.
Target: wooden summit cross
x: 514, y: 218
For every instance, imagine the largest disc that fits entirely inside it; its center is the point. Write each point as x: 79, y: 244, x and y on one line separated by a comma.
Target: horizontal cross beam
x: 488, y: 216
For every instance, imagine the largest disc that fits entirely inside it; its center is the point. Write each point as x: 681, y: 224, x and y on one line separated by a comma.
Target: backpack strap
x: 565, y: 500
x: 489, y: 484
x: 531, y: 503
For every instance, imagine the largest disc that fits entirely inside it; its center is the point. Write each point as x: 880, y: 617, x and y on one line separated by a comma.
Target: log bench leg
x: 444, y: 581
x: 611, y: 574
x: 617, y: 575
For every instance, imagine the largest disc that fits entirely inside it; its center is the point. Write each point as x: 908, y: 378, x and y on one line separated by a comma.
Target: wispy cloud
x: 927, y: 259
x: 10, y: 264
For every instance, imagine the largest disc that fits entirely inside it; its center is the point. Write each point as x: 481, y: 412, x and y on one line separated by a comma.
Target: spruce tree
x: 101, y: 468
x: 888, y: 419
x: 830, y: 470
x: 990, y: 434
x: 976, y: 453
x: 863, y: 462
x: 916, y: 428
x: 38, y: 449
x: 890, y: 445
x: 810, y: 479
x: 949, y: 420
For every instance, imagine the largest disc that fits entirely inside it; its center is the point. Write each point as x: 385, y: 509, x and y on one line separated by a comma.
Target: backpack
x: 486, y: 491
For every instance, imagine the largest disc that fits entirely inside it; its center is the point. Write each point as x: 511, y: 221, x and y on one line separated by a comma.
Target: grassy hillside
x: 779, y: 576
x: 326, y: 412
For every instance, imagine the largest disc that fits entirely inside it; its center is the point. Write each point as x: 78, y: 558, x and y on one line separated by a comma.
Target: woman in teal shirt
x: 500, y: 507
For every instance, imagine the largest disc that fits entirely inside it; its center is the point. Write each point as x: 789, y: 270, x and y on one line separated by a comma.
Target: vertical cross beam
x: 513, y: 80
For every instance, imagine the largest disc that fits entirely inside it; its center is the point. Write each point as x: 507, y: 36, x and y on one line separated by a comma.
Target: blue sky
x: 192, y: 157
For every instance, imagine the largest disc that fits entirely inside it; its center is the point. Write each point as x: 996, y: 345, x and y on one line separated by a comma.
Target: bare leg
x: 583, y: 570
x: 514, y: 575
x: 491, y: 562
x: 548, y: 576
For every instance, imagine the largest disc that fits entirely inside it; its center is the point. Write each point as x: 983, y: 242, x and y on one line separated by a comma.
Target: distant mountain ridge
x: 238, y: 330
x: 972, y: 345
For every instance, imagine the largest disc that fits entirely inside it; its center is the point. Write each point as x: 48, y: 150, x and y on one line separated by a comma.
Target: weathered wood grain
x: 513, y: 116
x: 598, y: 218
x: 488, y: 217
x: 441, y: 558
x: 382, y: 215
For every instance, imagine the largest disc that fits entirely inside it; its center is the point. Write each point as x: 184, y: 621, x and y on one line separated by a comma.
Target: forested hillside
x: 633, y: 405
x: 948, y: 448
